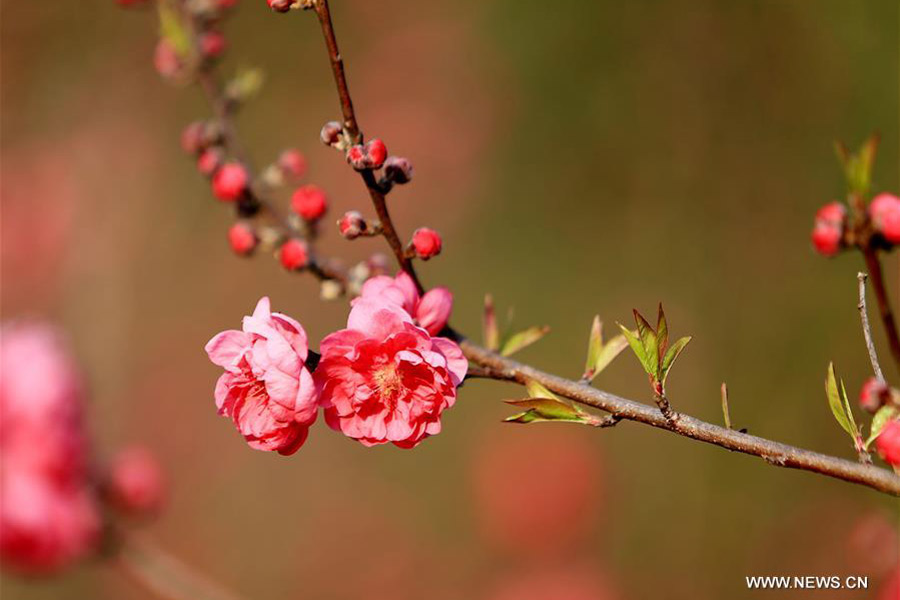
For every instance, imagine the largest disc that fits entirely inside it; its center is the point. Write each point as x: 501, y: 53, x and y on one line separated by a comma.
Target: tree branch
x: 775, y: 453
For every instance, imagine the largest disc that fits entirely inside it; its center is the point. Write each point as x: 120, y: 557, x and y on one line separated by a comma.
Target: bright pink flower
x: 885, y: 214
x: 266, y: 389
x: 383, y: 379
x: 431, y: 311
x: 888, y: 443
x: 48, y: 517
x: 136, y: 482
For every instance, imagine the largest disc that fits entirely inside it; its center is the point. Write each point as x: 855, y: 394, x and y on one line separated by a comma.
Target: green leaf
x: 649, y: 342
x: 595, y: 347
x: 610, y: 351
x: 671, y: 355
x: 523, y: 339
x: 879, y: 420
x: 547, y: 409
x: 848, y: 409
x: 536, y: 390
x: 172, y: 29
x: 837, y: 403
x: 662, y: 333
x: 725, y: 411
x: 245, y: 84
x: 490, y: 330
x: 648, y: 362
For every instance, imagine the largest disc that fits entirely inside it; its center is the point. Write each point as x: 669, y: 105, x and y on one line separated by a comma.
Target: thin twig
x: 873, y: 264
x: 867, y: 330
x: 352, y: 127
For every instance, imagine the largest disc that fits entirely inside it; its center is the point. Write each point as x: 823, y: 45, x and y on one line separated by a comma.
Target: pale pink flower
x: 266, y: 390
x: 383, y: 379
x: 48, y: 513
x: 431, y: 311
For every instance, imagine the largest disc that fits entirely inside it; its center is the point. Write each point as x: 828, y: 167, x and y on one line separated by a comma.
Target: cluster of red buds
x: 382, y: 172
x: 877, y: 225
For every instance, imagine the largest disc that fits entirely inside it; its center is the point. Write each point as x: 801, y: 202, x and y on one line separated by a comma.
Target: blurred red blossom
x: 48, y: 514
x: 537, y: 492
x: 136, y: 483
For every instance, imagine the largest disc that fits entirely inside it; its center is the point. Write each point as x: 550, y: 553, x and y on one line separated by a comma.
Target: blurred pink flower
x: 48, y: 515
x: 383, y: 379
x: 537, y: 492
x: 136, y: 483
x: 431, y: 311
x: 266, y: 389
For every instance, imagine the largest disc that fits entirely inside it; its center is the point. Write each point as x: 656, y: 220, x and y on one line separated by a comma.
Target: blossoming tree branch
x: 397, y: 365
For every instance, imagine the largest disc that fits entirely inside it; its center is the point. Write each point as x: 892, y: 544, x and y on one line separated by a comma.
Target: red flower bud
x: 332, y: 132
x: 873, y: 394
x: 426, y: 243
x: 828, y: 231
x: 356, y: 156
x: 210, y: 160
x: 230, y: 182
x: 242, y: 239
x: 281, y: 5
x: 352, y: 225
x: 885, y: 214
x: 309, y: 202
x: 376, y: 152
x: 129, y: 3
x: 827, y: 239
x: 212, y: 44
x: 398, y: 169
x: 888, y: 443
x: 136, y: 482
x: 294, y: 254
x: 292, y: 163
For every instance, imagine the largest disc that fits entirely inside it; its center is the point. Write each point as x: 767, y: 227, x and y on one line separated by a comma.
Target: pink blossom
x: 431, y: 311
x: 48, y: 515
x: 266, y: 390
x: 383, y: 379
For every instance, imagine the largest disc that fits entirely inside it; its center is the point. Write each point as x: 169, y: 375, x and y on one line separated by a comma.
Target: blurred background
x: 579, y: 158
